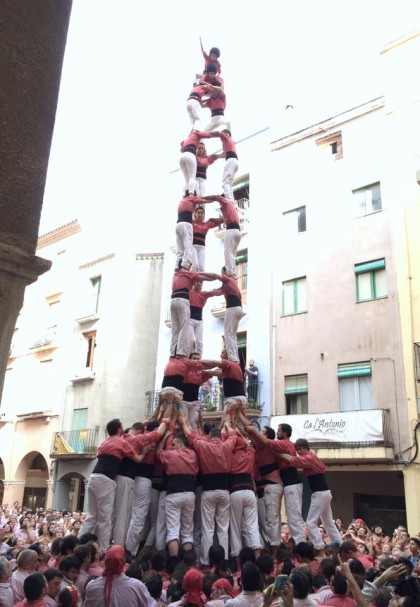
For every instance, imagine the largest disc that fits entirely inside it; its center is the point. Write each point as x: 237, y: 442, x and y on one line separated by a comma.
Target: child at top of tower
x: 212, y: 57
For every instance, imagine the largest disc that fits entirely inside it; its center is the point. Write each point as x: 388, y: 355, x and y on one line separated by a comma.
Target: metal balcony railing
x: 211, y: 398
x: 75, y: 443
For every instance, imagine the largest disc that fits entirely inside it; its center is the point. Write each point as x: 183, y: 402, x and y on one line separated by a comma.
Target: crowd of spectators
x: 43, y: 562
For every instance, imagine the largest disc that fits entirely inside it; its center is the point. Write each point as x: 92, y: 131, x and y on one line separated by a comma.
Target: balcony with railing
x: 46, y: 340
x: 212, y: 401
x: 75, y: 444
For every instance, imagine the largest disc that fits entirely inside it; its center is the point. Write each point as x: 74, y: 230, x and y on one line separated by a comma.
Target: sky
x: 129, y: 66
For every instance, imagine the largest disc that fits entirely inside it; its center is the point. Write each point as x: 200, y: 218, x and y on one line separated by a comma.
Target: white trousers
x: 180, y: 517
x: 188, y: 165
x: 150, y: 537
x: 232, y: 240
x: 191, y: 411
x: 122, y: 508
x: 200, y: 186
x: 261, y: 520
x: 198, y: 258
x: 184, y: 244
x: 218, y: 123
x: 197, y: 335
x: 272, y: 502
x: 160, y: 543
x: 320, y: 508
x: 141, y: 501
x: 214, y: 516
x: 243, y: 515
x: 229, y: 172
x: 194, y: 114
x: 101, y: 497
x: 232, y: 318
x: 181, y: 330
x: 293, y: 503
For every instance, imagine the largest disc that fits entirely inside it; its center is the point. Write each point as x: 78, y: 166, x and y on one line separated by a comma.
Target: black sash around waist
x: 159, y: 483
x: 231, y: 155
x: 185, y: 216
x: 108, y: 465
x: 318, y: 482
x: 190, y: 392
x: 233, y: 301
x: 145, y: 470
x: 211, y: 482
x: 173, y: 381
x: 233, y: 387
x: 260, y: 484
x: 233, y: 226
x: 218, y: 112
x: 264, y: 470
x: 181, y: 294
x: 196, y: 313
x: 127, y: 467
x: 194, y: 96
x: 180, y: 482
x: 290, y: 476
x: 201, y: 172
x: 240, y: 482
x: 189, y: 148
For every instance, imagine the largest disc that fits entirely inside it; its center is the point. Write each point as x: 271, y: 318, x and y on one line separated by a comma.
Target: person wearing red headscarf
x: 114, y: 588
x: 192, y: 583
x: 221, y: 591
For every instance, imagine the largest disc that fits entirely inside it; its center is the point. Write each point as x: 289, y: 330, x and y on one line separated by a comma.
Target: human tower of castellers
x: 176, y: 484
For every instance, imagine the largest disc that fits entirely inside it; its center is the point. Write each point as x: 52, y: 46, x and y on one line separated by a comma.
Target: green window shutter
x: 296, y: 384
x: 370, y: 266
x: 354, y: 370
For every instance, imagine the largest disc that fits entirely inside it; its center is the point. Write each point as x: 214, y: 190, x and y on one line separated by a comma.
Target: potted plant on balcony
x: 208, y: 404
x: 252, y: 404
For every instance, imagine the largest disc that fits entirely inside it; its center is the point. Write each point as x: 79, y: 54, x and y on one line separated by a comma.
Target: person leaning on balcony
x: 101, y: 484
x: 292, y: 482
x: 182, y: 284
x: 198, y: 300
x: 252, y: 374
x: 320, y: 508
x: 232, y: 238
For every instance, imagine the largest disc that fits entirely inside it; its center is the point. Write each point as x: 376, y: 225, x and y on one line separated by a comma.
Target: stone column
x: 32, y: 46
x: 61, y: 495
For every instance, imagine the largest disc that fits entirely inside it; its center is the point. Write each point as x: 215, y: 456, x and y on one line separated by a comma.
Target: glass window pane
x: 301, y: 403
x: 376, y: 197
x: 364, y: 288
x: 301, y: 295
x: 365, y: 393
x: 348, y: 394
x: 380, y: 283
x: 288, y: 297
x: 302, y: 219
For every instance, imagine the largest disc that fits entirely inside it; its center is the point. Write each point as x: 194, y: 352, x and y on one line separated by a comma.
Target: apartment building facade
x: 83, y: 352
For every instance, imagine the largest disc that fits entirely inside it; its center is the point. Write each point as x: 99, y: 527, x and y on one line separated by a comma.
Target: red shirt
x: 268, y: 465
x: 227, y: 143
x: 200, y: 229
x: 198, y: 92
x: 230, y: 286
x: 232, y: 370
x: 183, y: 279
x: 196, y: 376
x: 215, y: 455
x: 181, y: 366
x: 243, y: 459
x: 142, y: 440
x: 217, y: 102
x: 179, y: 461
x: 194, y: 139
x: 117, y: 447
x: 188, y: 205
x: 198, y: 299
x: 228, y: 209
x: 310, y: 463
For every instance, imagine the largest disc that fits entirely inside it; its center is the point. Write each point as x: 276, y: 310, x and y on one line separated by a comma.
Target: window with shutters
x: 296, y: 394
x: 355, y: 384
x: 370, y: 280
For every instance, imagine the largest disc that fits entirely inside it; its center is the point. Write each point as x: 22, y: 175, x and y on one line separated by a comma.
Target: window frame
x: 367, y: 188
x: 299, y: 391
x: 295, y: 296
x: 301, y: 218
x: 372, y: 268
x: 355, y: 372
